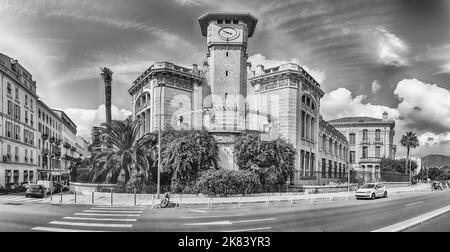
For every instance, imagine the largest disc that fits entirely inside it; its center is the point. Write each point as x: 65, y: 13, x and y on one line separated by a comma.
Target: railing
x: 370, y: 159
x: 365, y: 141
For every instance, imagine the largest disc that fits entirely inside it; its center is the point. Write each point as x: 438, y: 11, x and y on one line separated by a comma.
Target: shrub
x: 272, y: 160
x: 227, y: 182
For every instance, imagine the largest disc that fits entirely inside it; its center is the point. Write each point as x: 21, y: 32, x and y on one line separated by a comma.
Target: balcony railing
x: 369, y: 159
x: 377, y: 141
x: 365, y: 141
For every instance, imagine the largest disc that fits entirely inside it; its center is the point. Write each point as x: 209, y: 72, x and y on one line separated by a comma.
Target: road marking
x: 415, y: 203
x: 414, y: 221
x: 247, y: 230
x: 103, y: 214
x: 209, y: 223
x: 116, y: 209
x: 226, y: 222
x: 210, y: 216
x: 48, y: 229
x: 198, y: 211
x: 245, y: 221
x: 83, y: 224
x: 107, y: 211
x: 97, y: 219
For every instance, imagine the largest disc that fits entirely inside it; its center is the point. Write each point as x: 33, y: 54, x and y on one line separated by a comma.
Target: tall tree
x: 120, y: 150
x: 409, y: 141
x: 106, y: 75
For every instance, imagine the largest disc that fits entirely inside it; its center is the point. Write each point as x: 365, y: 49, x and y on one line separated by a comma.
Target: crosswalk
x: 21, y: 199
x: 96, y: 219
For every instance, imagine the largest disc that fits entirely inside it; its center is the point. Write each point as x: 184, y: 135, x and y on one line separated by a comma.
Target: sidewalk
x: 185, y: 200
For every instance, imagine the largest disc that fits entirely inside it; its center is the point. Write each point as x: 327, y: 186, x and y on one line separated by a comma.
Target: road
x: 344, y: 215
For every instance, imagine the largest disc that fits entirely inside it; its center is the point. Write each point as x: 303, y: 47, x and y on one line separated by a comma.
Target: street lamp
x: 161, y: 85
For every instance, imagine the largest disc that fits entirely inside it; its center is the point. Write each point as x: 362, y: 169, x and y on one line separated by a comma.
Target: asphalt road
x: 343, y: 215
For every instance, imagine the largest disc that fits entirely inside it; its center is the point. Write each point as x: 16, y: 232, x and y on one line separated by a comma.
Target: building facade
x: 17, y: 123
x: 226, y: 96
x: 370, y: 140
x: 49, y: 141
x: 69, y: 141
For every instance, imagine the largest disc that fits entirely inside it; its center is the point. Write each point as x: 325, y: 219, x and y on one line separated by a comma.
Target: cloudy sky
x: 369, y: 56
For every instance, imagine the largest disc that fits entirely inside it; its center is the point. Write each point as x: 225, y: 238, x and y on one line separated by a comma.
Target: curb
x: 414, y: 221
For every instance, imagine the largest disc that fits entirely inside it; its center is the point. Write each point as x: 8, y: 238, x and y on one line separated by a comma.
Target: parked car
x: 3, y: 190
x: 26, y: 184
x: 15, y: 187
x: 371, y: 191
x: 36, y: 191
x: 48, y: 185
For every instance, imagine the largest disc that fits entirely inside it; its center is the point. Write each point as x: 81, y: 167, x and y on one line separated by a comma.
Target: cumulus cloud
x: 85, y: 119
x: 391, y: 49
x: 376, y: 86
x: 424, y: 106
x: 340, y: 103
x: 259, y: 59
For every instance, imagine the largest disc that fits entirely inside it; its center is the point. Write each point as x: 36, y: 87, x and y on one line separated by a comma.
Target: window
x: 365, y: 134
x: 330, y: 168
x: 377, y: 135
x: 335, y: 169
x: 226, y: 73
x: 227, y: 21
x: 324, y: 142
x: 352, y: 157
x: 31, y: 104
x: 364, y: 151
x: 26, y: 99
x: 16, y: 153
x: 17, y: 93
x: 330, y: 146
x: 8, y: 129
x: 39, y: 113
x: 377, y: 151
x: 226, y: 54
x: 219, y: 21
x: 16, y: 132
x: 352, y: 138
x: 10, y: 108
x: 9, y: 88
x: 8, y: 151
x: 16, y: 112
x: 32, y: 120
x: 26, y: 116
x: 324, y: 167
x: 235, y: 21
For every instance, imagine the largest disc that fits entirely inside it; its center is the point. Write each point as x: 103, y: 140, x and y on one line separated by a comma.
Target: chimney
x: 194, y: 68
x: 259, y: 70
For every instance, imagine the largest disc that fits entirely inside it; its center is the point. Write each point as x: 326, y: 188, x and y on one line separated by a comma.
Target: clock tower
x: 227, y: 35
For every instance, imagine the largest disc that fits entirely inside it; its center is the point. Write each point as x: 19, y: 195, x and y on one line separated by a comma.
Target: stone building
x: 49, y: 141
x: 370, y: 139
x: 69, y: 140
x: 17, y: 123
x: 226, y: 96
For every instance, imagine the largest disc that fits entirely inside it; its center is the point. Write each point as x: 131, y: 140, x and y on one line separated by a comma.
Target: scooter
x: 165, y: 201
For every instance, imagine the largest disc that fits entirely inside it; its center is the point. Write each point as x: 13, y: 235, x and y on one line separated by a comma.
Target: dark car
x: 3, y: 190
x: 15, y: 187
x: 36, y: 191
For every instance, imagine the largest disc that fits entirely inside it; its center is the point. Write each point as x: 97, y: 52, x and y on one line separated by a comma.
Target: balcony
x: 45, y: 136
x: 365, y: 141
x: 378, y: 141
x: 369, y: 160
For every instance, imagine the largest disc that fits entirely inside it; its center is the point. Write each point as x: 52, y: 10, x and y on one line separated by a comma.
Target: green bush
x: 227, y: 182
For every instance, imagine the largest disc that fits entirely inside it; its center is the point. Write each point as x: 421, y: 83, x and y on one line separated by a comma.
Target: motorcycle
x: 165, y: 201
x: 437, y: 186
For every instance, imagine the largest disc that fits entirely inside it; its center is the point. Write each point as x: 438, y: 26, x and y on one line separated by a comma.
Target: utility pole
x: 159, y: 141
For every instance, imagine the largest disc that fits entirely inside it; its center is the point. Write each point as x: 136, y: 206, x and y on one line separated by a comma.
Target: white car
x: 371, y: 191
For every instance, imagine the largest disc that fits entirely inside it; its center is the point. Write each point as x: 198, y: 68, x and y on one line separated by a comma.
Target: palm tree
x: 120, y: 150
x: 106, y: 75
x: 409, y: 141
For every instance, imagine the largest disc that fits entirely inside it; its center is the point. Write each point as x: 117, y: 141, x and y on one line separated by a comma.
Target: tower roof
x: 248, y: 18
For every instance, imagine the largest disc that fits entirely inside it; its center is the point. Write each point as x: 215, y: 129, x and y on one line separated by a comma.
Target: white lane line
x: 115, y: 209
x: 118, y: 206
x: 8, y: 198
x: 415, y: 203
x: 98, y: 219
x: 34, y: 200
x: 112, y: 211
x: 209, y: 223
x: 83, y: 224
x: 226, y: 222
x: 49, y: 229
x: 247, y: 230
x: 414, y: 221
x: 210, y: 216
x: 197, y: 211
x: 245, y: 221
x: 111, y: 215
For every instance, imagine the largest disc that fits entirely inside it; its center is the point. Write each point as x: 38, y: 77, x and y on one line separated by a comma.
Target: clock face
x: 228, y: 33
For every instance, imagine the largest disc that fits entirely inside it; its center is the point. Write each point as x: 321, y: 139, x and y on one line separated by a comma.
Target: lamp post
x: 159, y: 140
